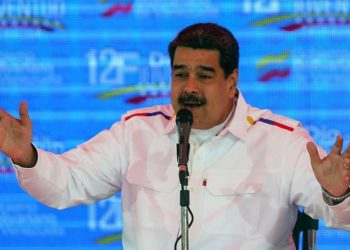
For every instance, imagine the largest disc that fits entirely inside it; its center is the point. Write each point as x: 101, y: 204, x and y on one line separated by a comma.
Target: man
x: 249, y: 169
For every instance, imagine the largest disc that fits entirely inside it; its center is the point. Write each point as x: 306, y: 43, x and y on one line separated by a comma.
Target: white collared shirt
x: 245, y: 184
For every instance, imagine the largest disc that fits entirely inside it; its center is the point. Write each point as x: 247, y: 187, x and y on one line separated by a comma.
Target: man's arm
x: 83, y: 175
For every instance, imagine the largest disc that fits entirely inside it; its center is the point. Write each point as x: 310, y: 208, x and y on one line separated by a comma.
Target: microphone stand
x: 184, y: 202
x: 184, y: 120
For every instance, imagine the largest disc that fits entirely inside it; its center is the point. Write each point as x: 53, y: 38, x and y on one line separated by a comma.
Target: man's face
x: 198, y: 84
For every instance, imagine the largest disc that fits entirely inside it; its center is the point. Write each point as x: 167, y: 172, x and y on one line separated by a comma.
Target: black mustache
x: 191, y: 100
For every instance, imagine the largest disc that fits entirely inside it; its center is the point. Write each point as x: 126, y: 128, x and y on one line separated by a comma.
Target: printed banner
x: 81, y: 64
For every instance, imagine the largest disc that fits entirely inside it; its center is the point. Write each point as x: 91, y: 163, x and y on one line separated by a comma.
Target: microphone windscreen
x: 184, y: 116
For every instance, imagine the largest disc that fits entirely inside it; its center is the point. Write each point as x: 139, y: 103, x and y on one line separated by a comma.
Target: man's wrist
x: 334, y: 200
x: 30, y: 160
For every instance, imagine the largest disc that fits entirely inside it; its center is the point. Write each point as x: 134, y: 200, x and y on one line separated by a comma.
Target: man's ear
x: 233, y: 80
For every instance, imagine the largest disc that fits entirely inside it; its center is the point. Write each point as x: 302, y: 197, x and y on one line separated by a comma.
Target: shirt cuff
x: 332, y: 200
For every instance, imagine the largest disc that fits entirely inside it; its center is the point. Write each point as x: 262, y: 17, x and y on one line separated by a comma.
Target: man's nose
x: 191, y: 85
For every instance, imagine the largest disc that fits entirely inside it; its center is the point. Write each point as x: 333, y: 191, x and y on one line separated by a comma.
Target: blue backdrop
x: 81, y: 64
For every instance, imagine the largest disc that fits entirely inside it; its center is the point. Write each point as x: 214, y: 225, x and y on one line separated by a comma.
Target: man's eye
x: 202, y: 76
x: 181, y: 75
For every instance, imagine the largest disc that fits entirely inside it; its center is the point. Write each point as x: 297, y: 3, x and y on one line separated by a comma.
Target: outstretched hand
x: 333, y: 171
x: 16, y: 136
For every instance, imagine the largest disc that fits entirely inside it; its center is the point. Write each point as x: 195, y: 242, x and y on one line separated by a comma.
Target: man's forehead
x: 190, y: 56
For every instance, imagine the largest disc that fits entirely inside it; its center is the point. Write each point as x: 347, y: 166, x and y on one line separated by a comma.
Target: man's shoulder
x: 278, y: 130
x: 271, y: 121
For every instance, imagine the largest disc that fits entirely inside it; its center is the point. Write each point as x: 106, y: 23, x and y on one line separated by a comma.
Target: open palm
x: 16, y: 135
x: 333, y: 171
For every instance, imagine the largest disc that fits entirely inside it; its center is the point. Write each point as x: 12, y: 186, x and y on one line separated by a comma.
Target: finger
x: 313, y: 152
x: 23, y: 114
x: 347, y: 151
x: 346, y: 181
x: 337, y: 145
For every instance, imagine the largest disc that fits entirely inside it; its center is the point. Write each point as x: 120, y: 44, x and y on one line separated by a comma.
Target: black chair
x: 308, y: 226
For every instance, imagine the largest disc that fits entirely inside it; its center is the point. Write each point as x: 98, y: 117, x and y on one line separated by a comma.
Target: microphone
x: 184, y: 120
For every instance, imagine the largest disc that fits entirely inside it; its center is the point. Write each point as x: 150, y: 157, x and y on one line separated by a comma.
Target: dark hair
x: 212, y: 37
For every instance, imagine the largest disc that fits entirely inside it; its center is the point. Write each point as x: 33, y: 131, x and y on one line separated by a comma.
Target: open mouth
x: 192, y: 105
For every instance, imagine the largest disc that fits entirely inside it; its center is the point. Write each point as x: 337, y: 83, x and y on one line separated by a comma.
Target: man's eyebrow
x: 200, y: 67
x: 179, y: 66
x: 206, y: 68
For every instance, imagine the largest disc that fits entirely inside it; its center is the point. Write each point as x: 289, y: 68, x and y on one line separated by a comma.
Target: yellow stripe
x: 272, y: 59
x: 113, y: 93
x: 275, y: 19
x: 250, y: 120
x: 109, y: 239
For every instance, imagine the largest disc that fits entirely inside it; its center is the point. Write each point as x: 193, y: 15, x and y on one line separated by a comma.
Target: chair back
x: 308, y: 227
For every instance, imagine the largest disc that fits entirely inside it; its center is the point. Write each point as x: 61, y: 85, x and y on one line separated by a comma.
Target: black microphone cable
x: 189, y: 225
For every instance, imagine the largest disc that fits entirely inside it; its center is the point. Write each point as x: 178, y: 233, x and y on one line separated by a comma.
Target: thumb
x: 23, y: 114
x: 313, y: 152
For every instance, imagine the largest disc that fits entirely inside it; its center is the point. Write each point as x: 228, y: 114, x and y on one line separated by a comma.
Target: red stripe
x: 292, y: 27
x: 182, y: 168
x: 296, y: 26
x: 149, y: 114
x: 277, y: 124
x: 116, y: 9
x: 283, y: 126
x: 273, y: 74
x: 139, y: 114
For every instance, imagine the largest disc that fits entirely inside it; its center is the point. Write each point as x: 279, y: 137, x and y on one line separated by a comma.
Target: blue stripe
x: 159, y: 113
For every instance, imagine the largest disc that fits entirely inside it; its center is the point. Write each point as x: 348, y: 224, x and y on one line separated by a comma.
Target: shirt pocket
x: 231, y: 203
x: 150, y: 198
x: 149, y: 174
